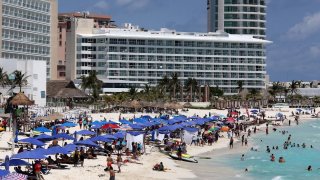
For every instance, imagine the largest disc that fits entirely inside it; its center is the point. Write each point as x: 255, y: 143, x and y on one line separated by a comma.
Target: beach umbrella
x: 32, y: 141
x: 225, y: 128
x: 42, y: 129
x: 15, y: 176
x: 136, y: 126
x: 63, y: 136
x: 279, y: 115
x: 100, y: 138
x: 97, y: 126
x: 54, y: 130
x: 85, y: 132
x: 71, y: 147
x: 21, y: 99
x: 44, y: 137
x: 87, y: 142
x: 110, y: 122
x: 123, y: 121
x: 231, y: 120
x: 254, y: 111
x: 57, y: 150
x: 29, y: 155
x: 16, y: 136
x: 3, y: 173
x: 16, y: 162
x: 69, y: 124
x: 112, y: 126
x: 108, y: 136
x: 119, y: 135
x: 299, y: 110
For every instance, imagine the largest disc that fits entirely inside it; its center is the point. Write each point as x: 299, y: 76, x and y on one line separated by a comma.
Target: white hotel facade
x: 130, y: 56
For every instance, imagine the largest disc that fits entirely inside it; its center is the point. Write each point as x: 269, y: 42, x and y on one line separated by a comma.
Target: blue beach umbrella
x: 123, y: 121
x: 64, y: 136
x: 299, y: 110
x: 32, y: 141
x: 100, y: 138
x: 16, y: 162
x: 54, y: 130
x: 71, y: 147
x: 85, y: 132
x: 69, y: 124
x: 75, y: 137
x: 16, y: 136
x: 108, y: 136
x: 44, y: 137
x: 119, y: 135
x: 135, y: 126
x: 42, y: 129
x: 57, y: 150
x: 4, y: 172
x: 87, y: 142
x: 29, y: 155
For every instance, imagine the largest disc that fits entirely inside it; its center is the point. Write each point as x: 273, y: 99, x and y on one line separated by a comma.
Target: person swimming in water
x: 268, y: 149
x: 242, y: 157
x: 272, y: 158
x: 281, y: 160
x: 309, y: 168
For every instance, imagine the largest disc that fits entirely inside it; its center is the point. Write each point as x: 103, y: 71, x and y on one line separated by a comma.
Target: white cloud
x: 315, y: 51
x: 133, y: 3
x: 309, y: 26
x: 101, y: 4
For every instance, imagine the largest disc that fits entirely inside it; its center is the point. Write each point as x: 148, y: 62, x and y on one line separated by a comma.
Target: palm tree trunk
x: 191, y: 94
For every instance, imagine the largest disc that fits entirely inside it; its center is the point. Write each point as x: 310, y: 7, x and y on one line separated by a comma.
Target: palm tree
x: 164, y: 83
x: 92, y: 83
x: 3, y: 77
x: 240, y: 86
x: 132, y: 92
x: 20, y: 80
x: 216, y: 91
x: 191, y: 84
x: 174, y: 83
x: 293, y: 87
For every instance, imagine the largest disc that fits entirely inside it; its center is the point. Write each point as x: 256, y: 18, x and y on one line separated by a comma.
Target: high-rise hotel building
x: 28, y: 31
x: 238, y: 17
x: 127, y: 56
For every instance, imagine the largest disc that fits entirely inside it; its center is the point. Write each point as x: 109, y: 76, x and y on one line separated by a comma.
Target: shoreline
x: 93, y: 169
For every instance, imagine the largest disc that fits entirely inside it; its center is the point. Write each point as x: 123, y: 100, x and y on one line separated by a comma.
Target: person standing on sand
x: 112, y: 174
x: 246, y: 142
x: 267, y: 130
x: 119, y: 161
x: 242, y: 140
x: 231, y: 143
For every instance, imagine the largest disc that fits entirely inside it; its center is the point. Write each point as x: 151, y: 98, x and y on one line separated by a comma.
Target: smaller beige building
x: 69, y: 25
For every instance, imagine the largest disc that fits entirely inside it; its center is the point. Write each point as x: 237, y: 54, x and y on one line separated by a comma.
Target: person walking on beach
x: 112, y: 174
x: 119, y: 161
x: 289, y: 122
x: 231, y: 143
x: 76, y: 157
x: 246, y: 142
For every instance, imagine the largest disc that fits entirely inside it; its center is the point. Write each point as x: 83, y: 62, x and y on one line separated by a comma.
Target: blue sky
x: 292, y: 25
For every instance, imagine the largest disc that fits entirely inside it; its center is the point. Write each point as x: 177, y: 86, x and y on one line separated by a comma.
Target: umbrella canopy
x: 15, y: 176
x: 32, y: 141
x: 44, y: 137
x: 21, y: 99
x: 100, y: 138
x: 63, y: 136
x: 135, y: 126
x: 42, y: 129
x: 108, y: 136
x: 299, y: 110
x: 85, y: 132
x: 123, y: 121
x: 29, y: 155
x: 119, y: 135
x: 87, y: 142
x: 231, y: 120
x: 71, y: 147
x: 112, y: 126
x: 16, y: 162
x: 279, y: 115
x: 57, y: 150
x: 4, y: 172
x: 69, y: 124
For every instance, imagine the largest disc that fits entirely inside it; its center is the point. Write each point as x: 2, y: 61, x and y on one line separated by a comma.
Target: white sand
x: 93, y: 168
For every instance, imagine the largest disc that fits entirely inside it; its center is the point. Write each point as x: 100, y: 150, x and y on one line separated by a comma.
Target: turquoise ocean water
x: 258, y: 163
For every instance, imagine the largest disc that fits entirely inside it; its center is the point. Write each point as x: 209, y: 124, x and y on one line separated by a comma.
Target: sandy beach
x: 93, y: 169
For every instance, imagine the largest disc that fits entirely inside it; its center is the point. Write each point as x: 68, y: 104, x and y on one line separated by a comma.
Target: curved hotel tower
x: 238, y: 17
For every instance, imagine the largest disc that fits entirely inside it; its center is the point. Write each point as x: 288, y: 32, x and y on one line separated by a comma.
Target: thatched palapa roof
x: 21, y: 99
x: 64, y: 89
